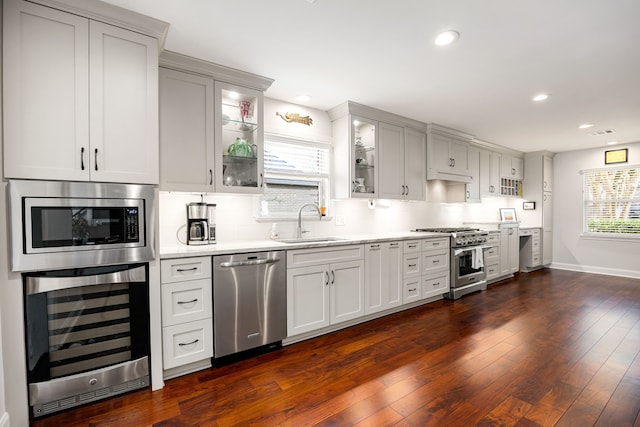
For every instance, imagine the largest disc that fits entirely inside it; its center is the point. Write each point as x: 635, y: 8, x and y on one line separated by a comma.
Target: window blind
x: 612, y: 201
x: 291, y: 158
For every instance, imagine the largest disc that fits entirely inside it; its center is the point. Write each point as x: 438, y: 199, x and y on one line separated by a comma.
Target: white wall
x: 570, y: 250
x: 236, y: 214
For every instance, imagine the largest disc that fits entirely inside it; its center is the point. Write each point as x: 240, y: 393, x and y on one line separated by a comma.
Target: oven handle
x: 36, y: 285
x: 457, y: 252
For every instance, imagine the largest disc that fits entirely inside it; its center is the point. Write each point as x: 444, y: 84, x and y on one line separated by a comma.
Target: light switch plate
x: 340, y: 220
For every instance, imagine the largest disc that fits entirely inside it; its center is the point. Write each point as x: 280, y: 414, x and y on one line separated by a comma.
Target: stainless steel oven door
x: 466, y: 268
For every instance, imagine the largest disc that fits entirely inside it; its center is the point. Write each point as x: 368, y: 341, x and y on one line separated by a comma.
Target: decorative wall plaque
x: 616, y: 156
x: 296, y: 118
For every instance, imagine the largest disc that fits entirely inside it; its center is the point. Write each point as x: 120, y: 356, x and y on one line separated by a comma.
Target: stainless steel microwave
x: 56, y: 224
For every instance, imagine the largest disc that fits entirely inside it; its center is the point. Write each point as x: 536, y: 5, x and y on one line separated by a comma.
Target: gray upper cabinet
x: 80, y: 97
x: 186, y: 131
x: 402, y: 172
x: 447, y: 155
x: 211, y: 131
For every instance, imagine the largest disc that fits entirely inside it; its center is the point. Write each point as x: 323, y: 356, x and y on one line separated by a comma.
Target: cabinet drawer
x: 187, y: 343
x: 411, y: 265
x: 182, y: 269
x: 186, y: 301
x: 316, y: 256
x: 494, y: 238
x: 411, y: 246
x: 434, y: 260
x: 492, y: 252
x: 493, y: 270
x: 535, y: 260
x: 435, y: 285
x: 430, y: 244
x: 411, y: 290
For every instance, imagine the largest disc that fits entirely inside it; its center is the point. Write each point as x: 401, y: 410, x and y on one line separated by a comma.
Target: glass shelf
x: 241, y: 126
x: 364, y: 148
x: 364, y: 166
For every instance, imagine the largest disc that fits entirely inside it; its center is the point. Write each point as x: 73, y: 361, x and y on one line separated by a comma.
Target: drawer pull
x: 412, y: 265
x: 183, y: 344
x: 413, y: 290
x: 411, y: 246
x: 375, y: 246
x: 188, y: 302
x: 436, y: 243
x: 393, y: 245
x: 436, y: 284
x: 182, y: 270
x: 435, y: 261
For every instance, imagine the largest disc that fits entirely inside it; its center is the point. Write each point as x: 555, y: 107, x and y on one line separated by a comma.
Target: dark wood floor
x: 548, y: 348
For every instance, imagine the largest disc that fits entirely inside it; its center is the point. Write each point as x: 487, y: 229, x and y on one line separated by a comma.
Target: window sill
x: 291, y: 219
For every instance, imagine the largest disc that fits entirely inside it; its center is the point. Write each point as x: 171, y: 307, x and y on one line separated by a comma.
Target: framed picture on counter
x: 508, y: 214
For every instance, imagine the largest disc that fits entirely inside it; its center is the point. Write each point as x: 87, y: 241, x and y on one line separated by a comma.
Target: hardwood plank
x: 546, y: 348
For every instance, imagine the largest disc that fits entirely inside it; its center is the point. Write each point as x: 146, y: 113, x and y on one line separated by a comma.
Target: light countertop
x: 222, y: 248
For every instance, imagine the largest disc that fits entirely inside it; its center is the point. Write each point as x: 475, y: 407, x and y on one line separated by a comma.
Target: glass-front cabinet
x: 363, y: 160
x: 239, y: 139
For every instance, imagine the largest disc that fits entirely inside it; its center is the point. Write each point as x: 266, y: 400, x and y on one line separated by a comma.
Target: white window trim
x: 629, y: 237
x: 309, y: 142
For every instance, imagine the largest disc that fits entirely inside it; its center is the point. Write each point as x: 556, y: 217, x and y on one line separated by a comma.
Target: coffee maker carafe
x: 201, y: 227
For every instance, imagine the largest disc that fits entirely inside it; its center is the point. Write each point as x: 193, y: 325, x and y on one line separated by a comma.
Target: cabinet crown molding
x: 350, y: 107
x: 180, y: 62
x: 113, y: 15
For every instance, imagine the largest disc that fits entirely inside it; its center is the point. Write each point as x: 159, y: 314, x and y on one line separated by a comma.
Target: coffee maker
x: 201, y: 223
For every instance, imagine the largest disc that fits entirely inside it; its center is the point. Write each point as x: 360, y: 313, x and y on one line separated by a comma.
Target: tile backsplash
x: 236, y: 217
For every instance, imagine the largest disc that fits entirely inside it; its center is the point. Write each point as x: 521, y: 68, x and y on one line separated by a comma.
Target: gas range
x: 461, y: 237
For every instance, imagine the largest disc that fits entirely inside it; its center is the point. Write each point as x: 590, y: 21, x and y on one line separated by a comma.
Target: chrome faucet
x: 299, y: 229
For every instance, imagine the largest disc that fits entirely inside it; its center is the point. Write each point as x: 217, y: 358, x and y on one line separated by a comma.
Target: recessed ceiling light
x: 447, y: 37
x: 612, y: 142
x: 302, y: 98
x: 586, y: 126
x: 541, y: 97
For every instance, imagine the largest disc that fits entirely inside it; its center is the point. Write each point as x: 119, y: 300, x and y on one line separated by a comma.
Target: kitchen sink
x: 312, y: 240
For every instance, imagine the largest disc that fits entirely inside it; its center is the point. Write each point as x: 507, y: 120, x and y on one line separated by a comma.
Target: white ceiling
x: 380, y: 53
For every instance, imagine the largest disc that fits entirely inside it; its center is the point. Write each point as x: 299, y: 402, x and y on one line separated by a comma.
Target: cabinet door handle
x: 182, y: 270
x: 333, y: 277
x: 82, y: 158
x: 210, y: 176
x: 187, y: 302
x: 182, y: 344
x: 403, y: 190
x: 261, y: 180
x: 468, y: 194
x: 326, y: 275
x: 96, y: 159
x: 407, y: 193
x: 544, y: 184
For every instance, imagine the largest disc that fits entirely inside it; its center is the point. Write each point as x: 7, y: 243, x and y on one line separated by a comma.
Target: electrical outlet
x: 340, y: 220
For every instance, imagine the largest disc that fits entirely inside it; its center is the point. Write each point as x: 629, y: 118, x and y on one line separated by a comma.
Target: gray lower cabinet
x: 383, y: 276
x: 187, y: 323
x: 325, y: 286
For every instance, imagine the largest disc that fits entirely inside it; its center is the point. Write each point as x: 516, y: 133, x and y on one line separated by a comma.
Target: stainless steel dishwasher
x: 249, y: 301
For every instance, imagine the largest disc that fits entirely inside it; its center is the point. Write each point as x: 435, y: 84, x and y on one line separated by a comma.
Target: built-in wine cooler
x: 87, y: 334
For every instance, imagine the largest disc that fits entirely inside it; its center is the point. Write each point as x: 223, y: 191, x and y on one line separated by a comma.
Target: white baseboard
x: 634, y: 274
x: 4, y: 420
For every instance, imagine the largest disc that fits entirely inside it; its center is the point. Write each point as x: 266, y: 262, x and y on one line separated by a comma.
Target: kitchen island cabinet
x: 80, y: 97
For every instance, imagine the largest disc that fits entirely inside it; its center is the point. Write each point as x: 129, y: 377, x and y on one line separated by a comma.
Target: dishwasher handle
x: 249, y: 262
